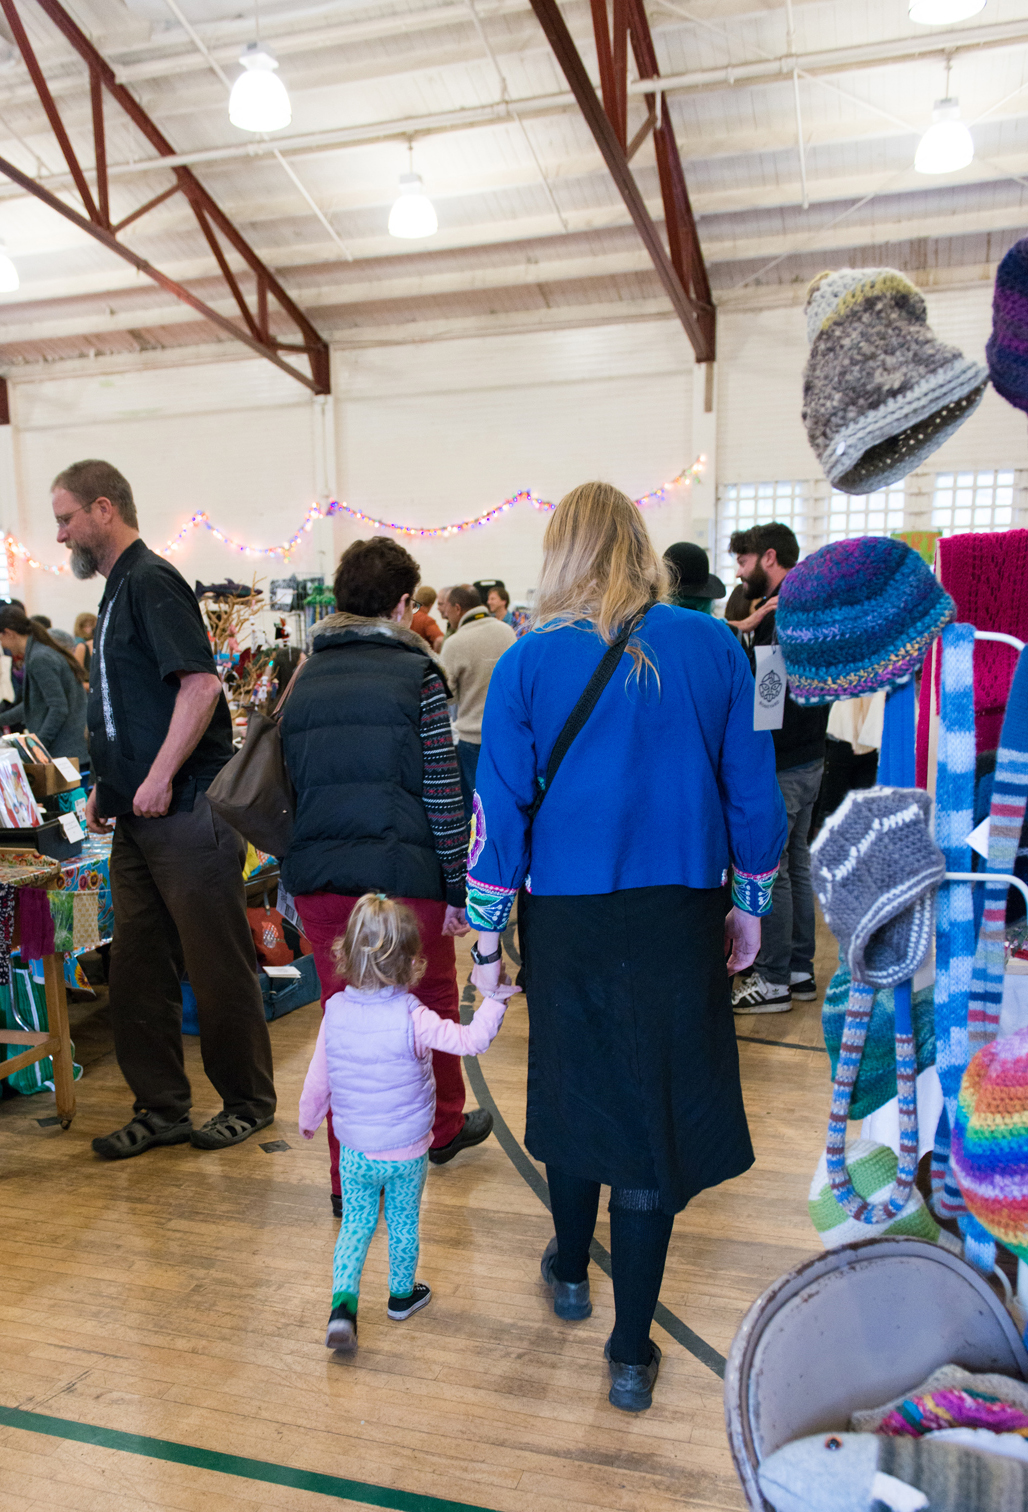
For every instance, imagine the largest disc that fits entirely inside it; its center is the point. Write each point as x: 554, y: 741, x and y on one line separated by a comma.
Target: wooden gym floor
x: 161, y: 1319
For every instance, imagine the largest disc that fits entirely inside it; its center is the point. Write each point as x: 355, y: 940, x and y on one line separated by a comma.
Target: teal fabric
x: 363, y: 1180
x: 876, y: 1079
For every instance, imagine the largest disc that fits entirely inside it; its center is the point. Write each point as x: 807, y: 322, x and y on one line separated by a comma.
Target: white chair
x: 850, y: 1329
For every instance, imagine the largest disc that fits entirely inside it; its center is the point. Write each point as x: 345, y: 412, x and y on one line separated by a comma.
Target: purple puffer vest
x: 383, y: 1095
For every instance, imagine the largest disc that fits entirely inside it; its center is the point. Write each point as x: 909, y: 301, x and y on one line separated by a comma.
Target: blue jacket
x: 665, y: 785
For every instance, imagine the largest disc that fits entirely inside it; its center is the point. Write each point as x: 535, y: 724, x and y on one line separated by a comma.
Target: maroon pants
x: 325, y: 916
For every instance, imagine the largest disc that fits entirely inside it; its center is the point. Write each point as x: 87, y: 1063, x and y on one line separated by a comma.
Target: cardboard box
x: 45, y: 779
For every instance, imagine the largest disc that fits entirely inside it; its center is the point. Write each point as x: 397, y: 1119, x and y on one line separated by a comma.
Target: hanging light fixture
x: 413, y: 214
x: 947, y: 145
x: 9, y: 280
x: 259, y: 101
x: 943, y: 12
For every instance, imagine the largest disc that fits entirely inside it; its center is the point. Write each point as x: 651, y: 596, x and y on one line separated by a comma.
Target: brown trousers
x: 179, y: 905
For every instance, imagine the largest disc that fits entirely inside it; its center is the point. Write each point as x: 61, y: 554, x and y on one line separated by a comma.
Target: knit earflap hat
x: 875, y: 870
x: 1007, y: 348
x: 990, y: 1140
x: 856, y: 616
x: 880, y: 391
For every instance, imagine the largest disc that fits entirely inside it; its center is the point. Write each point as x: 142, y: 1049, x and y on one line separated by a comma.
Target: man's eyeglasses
x: 62, y: 520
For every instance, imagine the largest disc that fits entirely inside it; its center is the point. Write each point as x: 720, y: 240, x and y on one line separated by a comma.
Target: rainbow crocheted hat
x: 856, y: 616
x: 880, y: 391
x: 1007, y: 349
x: 990, y: 1140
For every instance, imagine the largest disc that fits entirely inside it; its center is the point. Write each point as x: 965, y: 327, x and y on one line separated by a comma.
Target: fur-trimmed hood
x: 339, y: 628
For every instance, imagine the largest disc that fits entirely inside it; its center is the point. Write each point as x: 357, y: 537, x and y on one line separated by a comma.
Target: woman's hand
x: 485, y: 978
x: 455, y: 921
x: 742, y: 938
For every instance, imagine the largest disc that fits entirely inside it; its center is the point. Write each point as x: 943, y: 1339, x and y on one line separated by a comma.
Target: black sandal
x: 142, y: 1133
x: 226, y: 1129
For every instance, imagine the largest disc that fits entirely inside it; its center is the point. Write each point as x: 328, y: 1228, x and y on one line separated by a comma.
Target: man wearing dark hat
x: 693, y: 585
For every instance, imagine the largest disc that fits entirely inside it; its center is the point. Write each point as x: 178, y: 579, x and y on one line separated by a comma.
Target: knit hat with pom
x: 1007, y: 349
x: 856, y: 616
x: 880, y: 392
x: 990, y: 1140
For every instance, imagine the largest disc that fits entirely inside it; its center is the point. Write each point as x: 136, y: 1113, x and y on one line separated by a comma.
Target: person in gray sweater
x: 53, y: 704
x: 469, y: 656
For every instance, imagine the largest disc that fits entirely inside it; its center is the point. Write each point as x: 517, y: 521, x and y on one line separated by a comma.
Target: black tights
x: 639, y: 1235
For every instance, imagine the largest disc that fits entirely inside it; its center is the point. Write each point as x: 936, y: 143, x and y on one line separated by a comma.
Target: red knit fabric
x: 986, y: 577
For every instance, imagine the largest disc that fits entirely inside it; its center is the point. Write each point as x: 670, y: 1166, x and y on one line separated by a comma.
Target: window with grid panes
x: 865, y: 514
x: 742, y: 505
x: 980, y: 501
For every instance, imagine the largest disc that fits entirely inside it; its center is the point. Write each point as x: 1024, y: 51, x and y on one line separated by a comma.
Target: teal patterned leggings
x: 363, y: 1181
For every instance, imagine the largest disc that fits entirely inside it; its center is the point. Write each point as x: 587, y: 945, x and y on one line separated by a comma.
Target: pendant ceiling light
x: 9, y: 280
x: 413, y: 214
x: 259, y: 101
x: 943, y: 12
x: 947, y: 145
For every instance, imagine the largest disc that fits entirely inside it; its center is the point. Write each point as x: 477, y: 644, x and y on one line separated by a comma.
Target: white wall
x: 425, y: 433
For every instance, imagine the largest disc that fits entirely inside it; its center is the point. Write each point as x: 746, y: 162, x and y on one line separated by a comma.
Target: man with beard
x: 784, y: 968
x: 160, y: 731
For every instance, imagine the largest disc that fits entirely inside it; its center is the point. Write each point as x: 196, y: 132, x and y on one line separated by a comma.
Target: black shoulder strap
x: 583, y: 708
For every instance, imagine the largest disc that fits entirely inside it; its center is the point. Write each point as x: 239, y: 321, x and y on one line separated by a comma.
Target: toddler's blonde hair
x: 381, y: 946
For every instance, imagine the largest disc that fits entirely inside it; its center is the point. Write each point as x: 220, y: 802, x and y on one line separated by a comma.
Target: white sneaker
x: 753, y: 994
x: 803, y: 986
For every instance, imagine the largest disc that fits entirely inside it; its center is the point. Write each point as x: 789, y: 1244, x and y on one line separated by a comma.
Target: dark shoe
x: 402, y: 1307
x: 570, y: 1298
x: 226, y: 1129
x: 337, y: 1205
x: 477, y: 1126
x: 143, y: 1132
x: 342, y: 1329
x: 753, y: 993
x: 803, y: 987
x: 631, y: 1386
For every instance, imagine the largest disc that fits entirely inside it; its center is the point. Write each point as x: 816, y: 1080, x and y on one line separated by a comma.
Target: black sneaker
x: 803, y: 987
x: 753, y: 993
x: 337, y: 1205
x: 342, y: 1329
x: 477, y: 1127
x: 402, y: 1307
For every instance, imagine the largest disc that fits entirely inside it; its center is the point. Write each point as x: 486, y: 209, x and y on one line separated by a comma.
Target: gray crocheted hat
x: 875, y: 871
x: 880, y: 391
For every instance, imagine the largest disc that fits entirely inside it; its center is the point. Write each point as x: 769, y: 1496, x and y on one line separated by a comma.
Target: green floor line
x: 230, y: 1464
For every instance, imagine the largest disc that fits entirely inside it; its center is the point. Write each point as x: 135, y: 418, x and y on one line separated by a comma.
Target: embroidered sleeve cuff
x: 751, y: 891
x: 489, y: 906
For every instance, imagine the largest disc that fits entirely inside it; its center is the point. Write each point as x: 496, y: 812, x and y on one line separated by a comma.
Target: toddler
x: 373, y: 1066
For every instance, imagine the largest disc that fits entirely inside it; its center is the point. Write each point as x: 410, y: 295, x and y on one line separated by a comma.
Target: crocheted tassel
x: 954, y: 937
x: 979, y: 1245
x: 858, y: 1016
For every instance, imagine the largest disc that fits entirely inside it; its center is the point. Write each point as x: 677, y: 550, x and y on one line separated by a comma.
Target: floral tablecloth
x: 80, y: 903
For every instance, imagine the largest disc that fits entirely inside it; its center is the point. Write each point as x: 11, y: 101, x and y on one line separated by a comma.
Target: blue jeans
x: 468, y: 753
x: 788, y: 931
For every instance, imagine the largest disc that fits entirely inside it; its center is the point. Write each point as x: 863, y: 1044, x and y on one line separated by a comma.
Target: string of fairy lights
x: 200, y: 520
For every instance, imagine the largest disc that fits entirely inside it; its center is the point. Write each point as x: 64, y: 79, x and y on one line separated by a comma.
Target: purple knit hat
x: 1007, y: 348
x: 856, y: 616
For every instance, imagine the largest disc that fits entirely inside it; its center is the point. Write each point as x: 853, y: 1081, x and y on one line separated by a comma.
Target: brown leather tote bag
x: 252, y: 792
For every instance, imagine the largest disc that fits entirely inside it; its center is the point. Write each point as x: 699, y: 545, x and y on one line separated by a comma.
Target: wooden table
x: 56, y: 1043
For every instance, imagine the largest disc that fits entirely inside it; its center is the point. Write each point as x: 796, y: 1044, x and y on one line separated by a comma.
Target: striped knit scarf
x: 954, y: 936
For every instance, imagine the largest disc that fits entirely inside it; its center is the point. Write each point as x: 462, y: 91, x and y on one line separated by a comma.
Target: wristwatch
x: 486, y: 960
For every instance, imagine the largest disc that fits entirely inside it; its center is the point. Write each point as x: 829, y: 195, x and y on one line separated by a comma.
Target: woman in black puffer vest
x: 369, y: 750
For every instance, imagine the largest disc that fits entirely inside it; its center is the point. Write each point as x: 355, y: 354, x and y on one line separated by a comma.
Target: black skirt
x: 633, y: 1069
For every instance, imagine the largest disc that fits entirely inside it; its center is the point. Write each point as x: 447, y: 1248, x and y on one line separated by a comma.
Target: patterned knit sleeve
x: 441, y: 794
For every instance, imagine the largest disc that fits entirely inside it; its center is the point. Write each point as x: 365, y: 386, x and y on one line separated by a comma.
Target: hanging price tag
x: 769, y: 691
x: 71, y: 827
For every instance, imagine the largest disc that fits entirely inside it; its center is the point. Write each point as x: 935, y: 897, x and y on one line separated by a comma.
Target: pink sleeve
x: 434, y: 1033
x: 314, y: 1099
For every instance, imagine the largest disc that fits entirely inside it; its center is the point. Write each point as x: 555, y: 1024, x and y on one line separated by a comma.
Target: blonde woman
x: 85, y: 625
x: 664, y: 794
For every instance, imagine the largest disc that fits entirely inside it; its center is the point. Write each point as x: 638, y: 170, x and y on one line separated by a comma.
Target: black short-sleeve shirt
x: 149, y: 627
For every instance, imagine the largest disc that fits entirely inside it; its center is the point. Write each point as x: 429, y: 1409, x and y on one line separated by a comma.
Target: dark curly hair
x: 373, y: 576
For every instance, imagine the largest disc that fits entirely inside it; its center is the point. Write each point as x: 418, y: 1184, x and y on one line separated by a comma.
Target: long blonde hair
x: 599, y: 565
x: 381, y: 946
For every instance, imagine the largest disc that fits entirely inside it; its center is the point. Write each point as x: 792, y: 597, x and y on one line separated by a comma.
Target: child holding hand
x: 372, y: 1065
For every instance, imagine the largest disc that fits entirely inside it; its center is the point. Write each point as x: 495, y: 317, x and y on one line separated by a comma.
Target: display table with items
x: 50, y: 912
